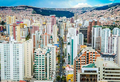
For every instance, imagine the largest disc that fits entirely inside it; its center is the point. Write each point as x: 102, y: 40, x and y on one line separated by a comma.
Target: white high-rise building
x: 49, y: 28
x: 104, y: 40
x: 12, y: 61
x: 28, y: 58
x: 55, y: 34
x: 68, y: 49
x: 116, y: 31
x: 71, y: 45
x: 118, y: 52
x: 96, y: 32
x: 80, y: 39
x: 45, y: 63
x: 114, y: 44
x: 107, y: 70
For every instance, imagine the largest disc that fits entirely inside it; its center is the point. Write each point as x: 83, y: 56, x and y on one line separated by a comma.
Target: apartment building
x: 104, y: 40
x: 80, y: 40
x: 108, y: 70
x: 86, y: 56
x: 88, y: 73
x: 12, y: 61
x: 45, y: 39
x: 28, y: 59
x: 71, y: 45
x: 116, y: 31
x: 45, y: 63
x: 89, y: 34
x: 96, y: 32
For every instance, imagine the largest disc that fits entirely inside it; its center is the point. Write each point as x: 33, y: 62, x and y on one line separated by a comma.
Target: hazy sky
x: 57, y: 3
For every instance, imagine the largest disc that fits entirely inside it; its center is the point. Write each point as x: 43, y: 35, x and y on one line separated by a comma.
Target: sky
x: 58, y: 3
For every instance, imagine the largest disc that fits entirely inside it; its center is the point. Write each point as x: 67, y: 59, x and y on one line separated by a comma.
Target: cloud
x: 99, y: 5
x: 82, y: 5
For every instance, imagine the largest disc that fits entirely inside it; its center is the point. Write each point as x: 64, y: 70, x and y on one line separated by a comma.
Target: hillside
x: 60, y: 12
x: 41, y: 11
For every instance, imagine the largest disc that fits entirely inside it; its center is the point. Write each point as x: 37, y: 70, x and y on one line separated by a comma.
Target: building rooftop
x: 92, y: 65
x: 96, y: 26
x: 90, y: 49
x: 109, y: 64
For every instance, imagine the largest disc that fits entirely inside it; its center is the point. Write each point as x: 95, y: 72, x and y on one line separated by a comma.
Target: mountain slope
x: 42, y: 11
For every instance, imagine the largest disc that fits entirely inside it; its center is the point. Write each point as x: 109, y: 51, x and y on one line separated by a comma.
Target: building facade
x: 12, y: 57
x: 89, y: 34
x: 86, y: 56
x: 104, y: 40
x: 80, y: 38
x: 96, y: 32
x: 28, y: 58
x: 108, y: 70
x: 45, y: 63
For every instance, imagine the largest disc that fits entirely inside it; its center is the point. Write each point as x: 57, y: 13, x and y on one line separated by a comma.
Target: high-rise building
x: 118, y: 52
x: 98, y: 44
x: 33, y: 29
x: 45, y: 63
x: 53, y: 22
x: 71, y: 44
x: 87, y: 56
x: 11, y: 31
x: 100, y: 71
x: 112, y: 44
x: 36, y: 40
x: 14, y: 31
x: 18, y: 33
x: 88, y: 73
x: 80, y: 39
x: 8, y: 29
x: 45, y: 39
x: 104, y: 40
x: 55, y: 34
x: 10, y: 19
x: 48, y: 28
x: 96, y: 32
x: 89, y: 34
x: 28, y: 58
x: 107, y: 70
x: 12, y: 61
x: 116, y: 31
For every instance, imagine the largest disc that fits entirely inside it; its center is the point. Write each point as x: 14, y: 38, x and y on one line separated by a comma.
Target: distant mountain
x: 107, y: 6
x: 87, y: 9
x: 60, y: 12
x: 42, y: 11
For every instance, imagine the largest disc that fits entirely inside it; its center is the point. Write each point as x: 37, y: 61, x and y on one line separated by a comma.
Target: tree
x: 2, y: 23
x: 63, y: 79
x: 58, y: 78
x: 33, y: 12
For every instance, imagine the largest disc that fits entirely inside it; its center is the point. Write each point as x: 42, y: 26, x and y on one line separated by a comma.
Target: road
x: 61, y: 53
